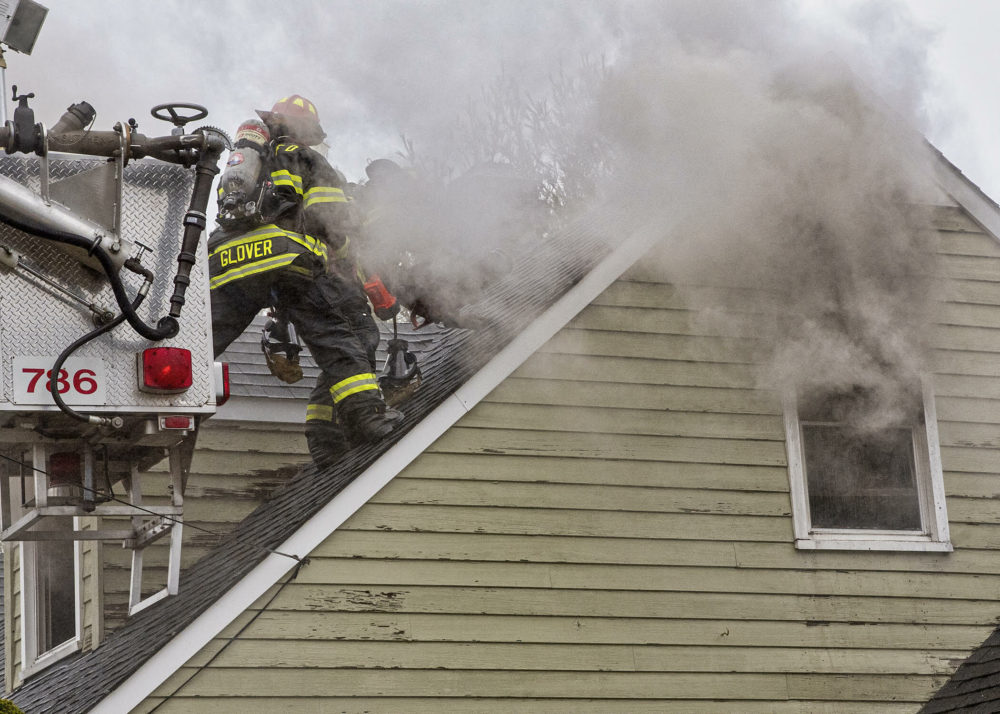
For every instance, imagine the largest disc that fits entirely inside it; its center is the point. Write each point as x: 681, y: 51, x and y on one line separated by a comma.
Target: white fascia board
x: 219, y: 615
x: 970, y: 197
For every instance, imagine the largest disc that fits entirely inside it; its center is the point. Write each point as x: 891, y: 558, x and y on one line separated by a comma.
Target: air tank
x: 240, y: 183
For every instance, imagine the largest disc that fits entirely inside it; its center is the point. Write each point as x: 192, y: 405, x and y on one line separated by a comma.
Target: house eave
x: 968, y: 195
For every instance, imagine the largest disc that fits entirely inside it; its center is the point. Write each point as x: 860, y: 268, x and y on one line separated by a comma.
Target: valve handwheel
x: 169, y: 112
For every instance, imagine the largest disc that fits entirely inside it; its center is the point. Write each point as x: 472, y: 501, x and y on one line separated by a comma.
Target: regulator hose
x: 167, y: 326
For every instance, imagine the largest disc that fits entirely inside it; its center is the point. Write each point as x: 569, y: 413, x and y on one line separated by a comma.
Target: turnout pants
x: 325, y: 426
x: 332, y: 317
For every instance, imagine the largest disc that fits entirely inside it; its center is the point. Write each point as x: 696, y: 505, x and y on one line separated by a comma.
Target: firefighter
x: 294, y: 253
x: 401, y: 210
x: 325, y: 436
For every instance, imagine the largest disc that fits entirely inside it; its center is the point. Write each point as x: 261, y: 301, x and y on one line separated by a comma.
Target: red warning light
x: 177, y: 422
x: 221, y: 383
x: 65, y: 469
x: 165, y: 370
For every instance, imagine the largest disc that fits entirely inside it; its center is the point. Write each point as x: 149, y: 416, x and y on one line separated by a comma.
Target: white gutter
x: 219, y: 615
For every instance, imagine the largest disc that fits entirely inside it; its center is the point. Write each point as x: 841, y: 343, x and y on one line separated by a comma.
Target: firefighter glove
x: 285, y: 369
x: 420, y: 314
x: 387, y: 313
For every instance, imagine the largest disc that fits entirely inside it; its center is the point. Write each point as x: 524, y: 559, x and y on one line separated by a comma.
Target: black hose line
x: 195, y: 223
x: 136, y: 267
x: 61, y: 359
x: 167, y: 326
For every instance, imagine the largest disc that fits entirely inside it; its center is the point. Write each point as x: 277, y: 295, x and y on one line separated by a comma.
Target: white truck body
x: 64, y: 463
x: 38, y: 321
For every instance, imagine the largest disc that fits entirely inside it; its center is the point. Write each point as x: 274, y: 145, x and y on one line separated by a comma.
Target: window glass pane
x: 56, y: 606
x: 864, y: 481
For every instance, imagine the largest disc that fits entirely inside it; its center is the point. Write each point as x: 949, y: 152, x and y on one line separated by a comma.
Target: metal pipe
x: 108, y: 143
x: 23, y: 205
x: 3, y: 89
x: 93, y: 143
x: 100, y: 313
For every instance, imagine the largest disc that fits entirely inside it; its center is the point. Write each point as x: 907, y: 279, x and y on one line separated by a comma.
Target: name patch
x: 245, y: 252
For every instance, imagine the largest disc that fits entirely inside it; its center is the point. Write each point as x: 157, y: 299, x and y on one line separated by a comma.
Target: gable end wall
x: 610, y: 530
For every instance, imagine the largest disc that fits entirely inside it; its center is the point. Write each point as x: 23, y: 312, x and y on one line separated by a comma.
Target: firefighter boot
x: 326, y: 441
x: 367, y: 418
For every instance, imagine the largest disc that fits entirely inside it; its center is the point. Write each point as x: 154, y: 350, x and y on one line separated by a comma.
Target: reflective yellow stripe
x: 360, y: 388
x: 311, y: 244
x: 352, y: 380
x: 283, y: 177
x: 314, y: 246
x: 252, y: 269
x: 352, y: 385
x: 319, y: 412
x: 269, y: 231
x: 299, y: 269
x: 324, y: 194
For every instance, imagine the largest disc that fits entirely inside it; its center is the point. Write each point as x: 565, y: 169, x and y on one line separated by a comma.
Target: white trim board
x: 244, y: 593
x: 969, y: 196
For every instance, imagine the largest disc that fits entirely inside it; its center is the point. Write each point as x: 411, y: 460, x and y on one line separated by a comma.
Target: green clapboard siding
x: 454, y: 705
x: 610, y: 530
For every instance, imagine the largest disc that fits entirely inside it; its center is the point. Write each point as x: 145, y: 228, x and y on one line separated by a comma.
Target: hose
x: 116, y: 422
x: 167, y: 326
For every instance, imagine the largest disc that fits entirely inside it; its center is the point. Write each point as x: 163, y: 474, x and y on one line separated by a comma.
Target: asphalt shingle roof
x: 974, y: 688
x: 250, y: 377
x: 537, y: 279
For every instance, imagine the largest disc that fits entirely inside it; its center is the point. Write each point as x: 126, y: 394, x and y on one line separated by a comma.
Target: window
x: 51, y: 614
x: 50, y: 587
x: 862, y: 480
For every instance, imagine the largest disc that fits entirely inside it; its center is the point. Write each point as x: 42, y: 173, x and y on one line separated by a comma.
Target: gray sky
x: 381, y: 68
x: 966, y: 57
x: 962, y: 94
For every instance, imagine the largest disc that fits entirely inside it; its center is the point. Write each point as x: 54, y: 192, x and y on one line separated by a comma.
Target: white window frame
x: 32, y: 660
x: 935, y: 536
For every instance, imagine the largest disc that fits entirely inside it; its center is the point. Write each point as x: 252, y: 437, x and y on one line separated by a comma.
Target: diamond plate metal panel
x: 35, y: 319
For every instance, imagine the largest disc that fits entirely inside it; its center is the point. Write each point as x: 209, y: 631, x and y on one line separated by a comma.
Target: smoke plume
x: 777, y: 155
x: 791, y: 175
x: 773, y: 142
